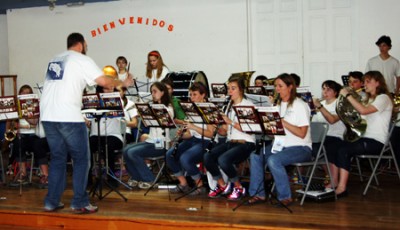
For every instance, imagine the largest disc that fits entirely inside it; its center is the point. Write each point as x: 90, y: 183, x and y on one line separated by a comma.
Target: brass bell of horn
x: 110, y: 71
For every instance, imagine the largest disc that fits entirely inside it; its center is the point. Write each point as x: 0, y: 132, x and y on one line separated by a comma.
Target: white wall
x: 3, y: 45
x: 208, y: 35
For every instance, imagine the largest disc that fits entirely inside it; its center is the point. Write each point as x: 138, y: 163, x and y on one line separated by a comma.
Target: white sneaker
x: 133, y: 183
x: 86, y: 210
x: 146, y: 185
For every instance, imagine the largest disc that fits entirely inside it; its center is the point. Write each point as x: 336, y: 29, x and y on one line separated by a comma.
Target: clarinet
x: 225, y: 111
x: 178, y: 140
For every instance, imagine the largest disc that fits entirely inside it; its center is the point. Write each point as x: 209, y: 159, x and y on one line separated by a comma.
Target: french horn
x: 355, y: 125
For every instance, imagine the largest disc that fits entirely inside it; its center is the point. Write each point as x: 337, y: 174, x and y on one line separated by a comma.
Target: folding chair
x: 318, y: 134
x: 386, y: 153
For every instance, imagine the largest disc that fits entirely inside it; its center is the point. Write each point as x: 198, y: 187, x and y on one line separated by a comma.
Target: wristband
x: 319, y: 107
x: 347, y: 95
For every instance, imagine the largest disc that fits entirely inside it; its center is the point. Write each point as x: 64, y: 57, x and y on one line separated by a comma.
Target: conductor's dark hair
x: 74, y: 39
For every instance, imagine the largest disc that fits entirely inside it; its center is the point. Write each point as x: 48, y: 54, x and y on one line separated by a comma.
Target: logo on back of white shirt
x: 55, y: 70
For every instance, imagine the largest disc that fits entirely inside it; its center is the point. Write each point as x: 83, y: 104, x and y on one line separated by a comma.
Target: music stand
x: 205, y: 113
x: 157, y: 116
x: 264, y: 121
x: 98, y: 106
x: 97, y: 188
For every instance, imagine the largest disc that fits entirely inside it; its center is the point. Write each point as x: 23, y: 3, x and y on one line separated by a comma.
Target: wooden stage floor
x: 380, y: 209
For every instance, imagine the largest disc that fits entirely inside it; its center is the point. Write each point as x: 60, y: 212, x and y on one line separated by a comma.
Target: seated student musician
x: 356, y: 83
x: 377, y: 111
x: 110, y: 133
x: 191, y: 150
x: 237, y: 148
x: 135, y: 154
x: 293, y: 147
x: 178, y: 112
x: 29, y: 143
x: 261, y: 80
x: 326, y: 112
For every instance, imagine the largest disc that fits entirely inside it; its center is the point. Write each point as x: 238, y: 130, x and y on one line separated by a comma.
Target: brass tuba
x: 246, y: 77
x: 355, y: 125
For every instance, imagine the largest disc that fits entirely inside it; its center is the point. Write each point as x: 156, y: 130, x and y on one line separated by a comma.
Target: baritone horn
x: 355, y: 125
x: 11, y: 133
x: 245, y: 76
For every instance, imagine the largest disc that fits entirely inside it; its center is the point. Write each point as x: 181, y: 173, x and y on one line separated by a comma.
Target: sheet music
x: 8, y: 108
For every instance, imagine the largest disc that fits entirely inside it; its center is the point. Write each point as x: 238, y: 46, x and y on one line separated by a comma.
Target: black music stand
x: 205, y: 113
x: 264, y: 121
x: 157, y: 116
x: 97, y: 188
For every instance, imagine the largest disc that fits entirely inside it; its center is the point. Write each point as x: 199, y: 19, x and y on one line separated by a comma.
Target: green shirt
x: 179, y: 114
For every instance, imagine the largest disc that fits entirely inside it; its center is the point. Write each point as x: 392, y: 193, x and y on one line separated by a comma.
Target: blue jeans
x: 276, y: 164
x: 189, y: 153
x: 67, y: 138
x: 225, y: 156
x: 135, y: 155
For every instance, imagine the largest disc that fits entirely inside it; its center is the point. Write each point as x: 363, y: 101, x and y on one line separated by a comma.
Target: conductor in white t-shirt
x: 67, y: 75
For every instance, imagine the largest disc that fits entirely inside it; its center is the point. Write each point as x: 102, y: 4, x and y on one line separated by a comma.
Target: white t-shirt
x: 336, y: 129
x: 198, y: 135
x: 130, y: 111
x: 378, y: 122
x: 390, y: 69
x: 122, y: 76
x: 24, y: 123
x: 66, y: 77
x: 108, y: 127
x: 234, y: 134
x: 297, y: 114
x: 153, y: 78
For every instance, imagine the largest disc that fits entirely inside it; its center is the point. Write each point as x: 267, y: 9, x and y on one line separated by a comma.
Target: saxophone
x: 355, y: 125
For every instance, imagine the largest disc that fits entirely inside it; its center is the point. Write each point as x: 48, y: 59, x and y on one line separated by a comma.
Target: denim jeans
x: 135, y: 155
x: 225, y: 156
x: 67, y: 138
x: 189, y: 153
x: 276, y: 164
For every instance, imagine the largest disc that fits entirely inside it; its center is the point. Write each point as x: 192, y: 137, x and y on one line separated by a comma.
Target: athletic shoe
x: 237, y: 193
x: 219, y: 190
x: 198, y: 191
x: 86, y: 210
x: 180, y: 189
x: 147, y: 185
x: 53, y: 209
x: 132, y: 183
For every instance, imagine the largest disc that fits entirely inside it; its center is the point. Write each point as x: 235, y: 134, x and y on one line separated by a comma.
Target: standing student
x: 156, y: 70
x: 385, y: 63
x: 66, y: 78
x: 237, y: 148
x: 293, y: 147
